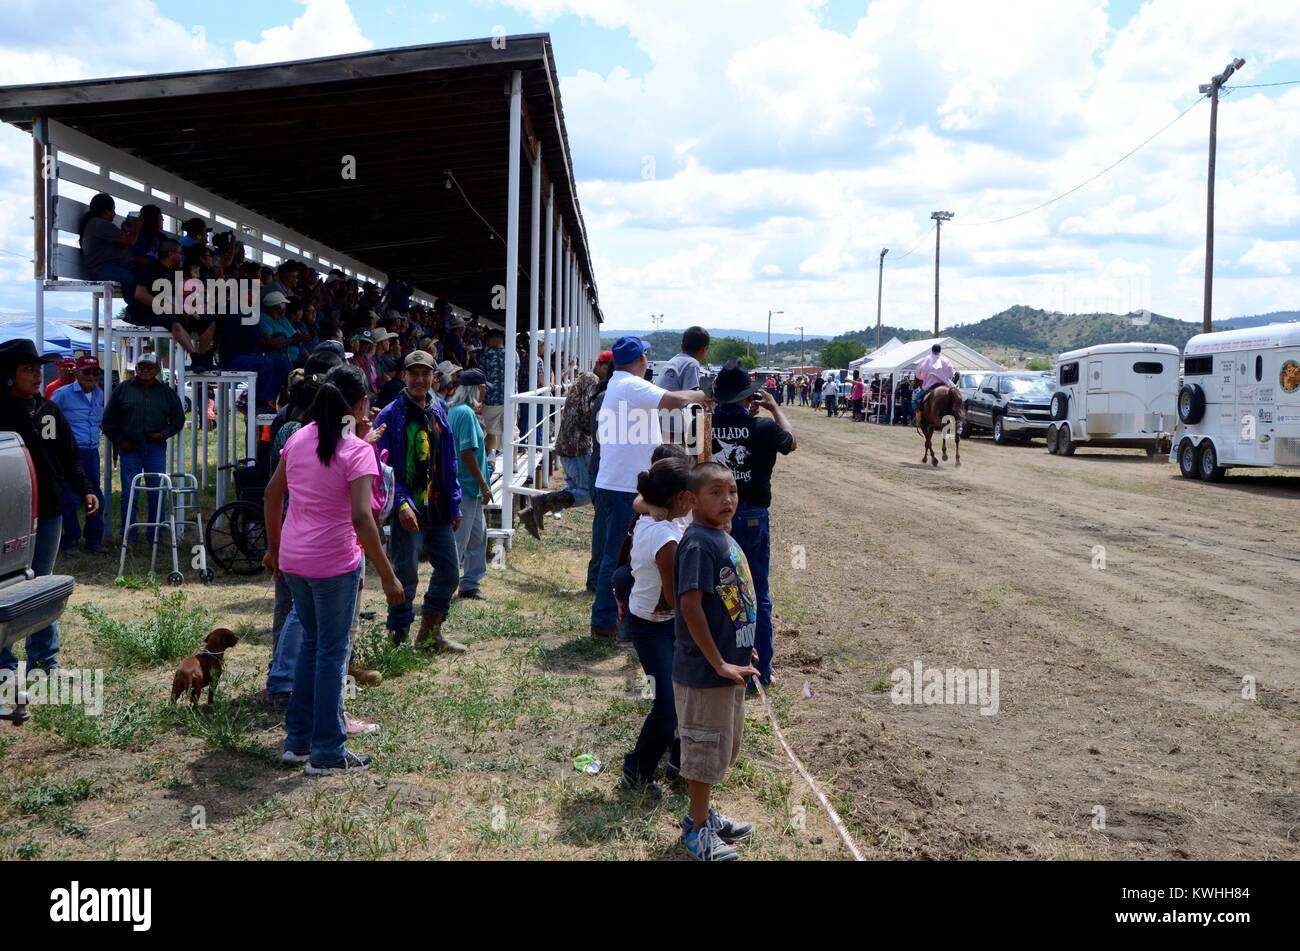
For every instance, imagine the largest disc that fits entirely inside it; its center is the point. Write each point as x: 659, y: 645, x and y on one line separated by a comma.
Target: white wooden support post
x: 546, y: 324
x: 534, y: 289
x: 109, y: 364
x: 512, y: 299
x: 558, y: 308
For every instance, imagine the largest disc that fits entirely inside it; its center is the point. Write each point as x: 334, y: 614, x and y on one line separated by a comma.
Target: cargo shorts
x: 710, y: 723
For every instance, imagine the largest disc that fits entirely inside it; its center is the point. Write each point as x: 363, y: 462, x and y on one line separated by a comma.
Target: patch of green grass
x: 135, y: 582
x: 131, y: 718
x: 170, y: 631
x: 228, y: 723
x: 43, y: 797
x: 346, y: 827
x: 375, y: 650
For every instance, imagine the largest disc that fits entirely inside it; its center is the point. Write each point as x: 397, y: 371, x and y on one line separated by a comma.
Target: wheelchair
x: 235, y: 537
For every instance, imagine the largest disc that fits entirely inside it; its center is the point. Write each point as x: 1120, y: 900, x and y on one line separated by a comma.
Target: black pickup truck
x: 27, y: 603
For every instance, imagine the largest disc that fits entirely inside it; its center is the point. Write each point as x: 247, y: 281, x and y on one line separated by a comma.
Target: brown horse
x: 943, y: 411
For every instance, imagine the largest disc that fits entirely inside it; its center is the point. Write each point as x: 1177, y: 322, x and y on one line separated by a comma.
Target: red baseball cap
x: 605, y: 357
x: 67, y: 362
x: 87, y: 363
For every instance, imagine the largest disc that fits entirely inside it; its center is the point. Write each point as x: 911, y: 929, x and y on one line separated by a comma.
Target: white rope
x: 812, y: 783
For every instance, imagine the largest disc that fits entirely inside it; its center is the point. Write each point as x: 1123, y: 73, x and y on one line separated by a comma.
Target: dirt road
x: 1128, y: 614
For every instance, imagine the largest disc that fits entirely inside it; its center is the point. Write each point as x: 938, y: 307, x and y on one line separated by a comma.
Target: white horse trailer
x: 1115, y: 395
x: 1239, y: 404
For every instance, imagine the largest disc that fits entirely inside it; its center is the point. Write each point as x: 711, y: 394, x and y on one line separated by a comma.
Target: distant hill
x: 1259, y: 320
x: 754, y: 336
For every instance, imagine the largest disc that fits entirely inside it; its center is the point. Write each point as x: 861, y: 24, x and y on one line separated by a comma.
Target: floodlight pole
x: 768, y: 359
x: 939, y: 218
x: 1212, y: 90
x: 880, y: 286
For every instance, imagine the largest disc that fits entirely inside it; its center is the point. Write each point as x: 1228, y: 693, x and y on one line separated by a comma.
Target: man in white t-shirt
x: 628, y: 428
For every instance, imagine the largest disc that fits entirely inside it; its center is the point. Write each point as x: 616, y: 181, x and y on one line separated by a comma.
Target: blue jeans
x: 438, y: 543
x: 471, y: 542
x: 749, y: 527
x: 577, y: 477
x: 72, y: 505
x: 313, y: 721
x: 653, y: 641
x: 42, y: 646
x: 597, y: 541
x: 284, y: 654
x: 618, y: 514
x: 271, y: 374
x: 149, y: 457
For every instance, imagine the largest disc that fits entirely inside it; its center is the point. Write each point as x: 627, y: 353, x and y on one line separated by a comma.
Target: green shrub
x: 170, y: 632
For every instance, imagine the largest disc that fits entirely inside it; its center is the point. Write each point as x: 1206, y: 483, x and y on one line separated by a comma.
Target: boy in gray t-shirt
x: 717, y: 615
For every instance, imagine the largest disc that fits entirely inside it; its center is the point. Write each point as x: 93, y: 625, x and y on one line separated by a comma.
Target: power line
x: 1089, y: 181
x: 917, y: 245
x: 25, y: 257
x: 1289, y: 82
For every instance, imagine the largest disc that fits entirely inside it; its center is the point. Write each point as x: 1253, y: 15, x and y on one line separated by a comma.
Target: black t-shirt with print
x: 709, y: 560
x: 748, y: 446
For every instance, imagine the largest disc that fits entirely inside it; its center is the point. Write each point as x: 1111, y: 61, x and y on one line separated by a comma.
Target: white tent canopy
x: 885, y: 347
x: 904, y: 357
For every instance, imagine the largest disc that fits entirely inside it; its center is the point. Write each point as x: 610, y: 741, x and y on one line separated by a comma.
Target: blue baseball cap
x: 628, y: 350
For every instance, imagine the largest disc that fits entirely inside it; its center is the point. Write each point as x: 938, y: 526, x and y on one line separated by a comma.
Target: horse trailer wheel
x: 1187, y: 464
x: 1051, y: 439
x: 1208, y: 463
x: 1064, y: 445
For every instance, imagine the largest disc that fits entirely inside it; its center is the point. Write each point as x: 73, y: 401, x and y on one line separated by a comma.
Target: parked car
x: 27, y: 603
x: 1011, y: 406
x: 968, y: 381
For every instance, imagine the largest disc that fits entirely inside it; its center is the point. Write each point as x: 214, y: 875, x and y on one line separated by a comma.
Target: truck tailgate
x: 28, y: 606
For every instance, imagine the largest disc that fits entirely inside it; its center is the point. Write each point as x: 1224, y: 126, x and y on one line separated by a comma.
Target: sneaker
x: 96, y: 550
x: 357, y: 727
x: 634, y: 785
x: 728, y: 829
x: 290, y: 758
x: 606, y: 632
x: 278, y: 701
x: 706, y: 846
x: 350, y: 763
x: 474, y: 595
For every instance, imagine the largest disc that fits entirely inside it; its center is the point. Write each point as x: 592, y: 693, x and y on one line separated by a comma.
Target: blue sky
x: 734, y: 157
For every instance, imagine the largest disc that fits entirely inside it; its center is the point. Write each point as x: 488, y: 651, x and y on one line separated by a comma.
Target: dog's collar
x: 207, y: 653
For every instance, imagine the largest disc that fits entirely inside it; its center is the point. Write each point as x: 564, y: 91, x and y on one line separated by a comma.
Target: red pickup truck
x: 27, y: 603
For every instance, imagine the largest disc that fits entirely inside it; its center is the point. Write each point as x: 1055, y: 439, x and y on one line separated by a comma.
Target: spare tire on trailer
x: 1060, y: 405
x: 1191, y: 403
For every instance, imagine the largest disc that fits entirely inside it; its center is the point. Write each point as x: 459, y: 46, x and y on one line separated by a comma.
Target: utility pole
x: 1212, y: 90
x: 880, y: 286
x: 769, y: 334
x: 657, y: 320
x: 939, y: 218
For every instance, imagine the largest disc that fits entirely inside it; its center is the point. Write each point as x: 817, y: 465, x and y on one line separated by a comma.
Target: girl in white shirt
x: 650, y: 619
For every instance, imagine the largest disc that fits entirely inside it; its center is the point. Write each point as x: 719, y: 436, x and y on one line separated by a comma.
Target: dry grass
x: 474, y: 758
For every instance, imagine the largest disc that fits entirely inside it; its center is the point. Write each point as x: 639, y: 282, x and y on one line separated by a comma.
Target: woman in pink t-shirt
x: 328, y: 472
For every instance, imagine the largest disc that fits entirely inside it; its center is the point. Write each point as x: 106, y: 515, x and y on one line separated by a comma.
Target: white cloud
x: 325, y: 28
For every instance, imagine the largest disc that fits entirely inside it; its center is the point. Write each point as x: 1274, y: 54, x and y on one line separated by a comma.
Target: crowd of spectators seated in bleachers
x: 299, y: 307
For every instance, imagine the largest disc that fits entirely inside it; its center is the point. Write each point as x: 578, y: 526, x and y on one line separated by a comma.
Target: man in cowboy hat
x: 52, y: 455
x: 748, y: 445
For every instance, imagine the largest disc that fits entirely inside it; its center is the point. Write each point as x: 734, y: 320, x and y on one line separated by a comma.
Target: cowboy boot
x: 431, y: 634
x: 532, y: 516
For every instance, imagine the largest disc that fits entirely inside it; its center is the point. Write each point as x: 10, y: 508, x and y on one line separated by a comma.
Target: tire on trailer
x: 1051, y: 439
x: 1060, y: 406
x: 1064, y: 444
x: 1207, y: 463
x: 1188, y: 463
x: 1191, y: 403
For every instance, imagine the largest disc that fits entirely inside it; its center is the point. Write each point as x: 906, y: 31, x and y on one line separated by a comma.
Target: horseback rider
x: 934, y: 370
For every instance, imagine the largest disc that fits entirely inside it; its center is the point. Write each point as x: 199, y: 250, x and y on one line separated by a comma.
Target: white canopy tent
x: 894, y: 362
x: 885, y: 347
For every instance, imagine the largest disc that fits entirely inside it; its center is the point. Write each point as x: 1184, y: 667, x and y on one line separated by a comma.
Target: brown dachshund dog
x: 204, y: 668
